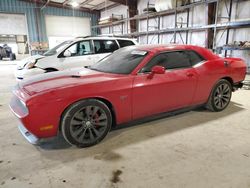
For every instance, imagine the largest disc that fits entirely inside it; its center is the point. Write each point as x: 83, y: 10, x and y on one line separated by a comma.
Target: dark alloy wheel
x: 220, y: 96
x: 86, y: 123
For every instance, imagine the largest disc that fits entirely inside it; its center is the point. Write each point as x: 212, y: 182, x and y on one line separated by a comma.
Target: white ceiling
x: 90, y: 4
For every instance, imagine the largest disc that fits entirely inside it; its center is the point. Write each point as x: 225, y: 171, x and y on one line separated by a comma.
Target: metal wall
x: 36, y: 17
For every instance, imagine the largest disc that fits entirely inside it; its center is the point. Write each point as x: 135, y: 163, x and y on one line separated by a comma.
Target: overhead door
x: 60, y: 28
x: 13, y: 24
x: 13, y: 31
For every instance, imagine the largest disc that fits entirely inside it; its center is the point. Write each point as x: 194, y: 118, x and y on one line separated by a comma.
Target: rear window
x: 124, y: 43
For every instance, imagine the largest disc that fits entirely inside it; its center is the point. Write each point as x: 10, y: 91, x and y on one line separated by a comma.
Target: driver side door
x: 164, y: 92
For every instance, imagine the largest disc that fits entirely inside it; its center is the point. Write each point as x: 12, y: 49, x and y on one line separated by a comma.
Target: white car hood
x: 21, y: 63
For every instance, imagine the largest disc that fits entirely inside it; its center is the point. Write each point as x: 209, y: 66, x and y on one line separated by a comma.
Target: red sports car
x: 132, y: 83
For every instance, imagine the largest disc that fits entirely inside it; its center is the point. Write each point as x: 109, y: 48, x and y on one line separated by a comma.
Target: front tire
x: 86, y: 123
x: 220, y: 96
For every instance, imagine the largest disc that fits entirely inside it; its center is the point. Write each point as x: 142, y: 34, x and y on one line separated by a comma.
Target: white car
x: 70, y: 54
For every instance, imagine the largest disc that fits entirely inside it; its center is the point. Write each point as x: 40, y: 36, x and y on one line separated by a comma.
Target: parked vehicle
x: 132, y: 83
x: 71, y: 54
x: 6, y: 52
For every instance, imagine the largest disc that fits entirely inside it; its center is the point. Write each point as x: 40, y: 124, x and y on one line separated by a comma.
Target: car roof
x: 156, y: 48
x: 104, y: 38
x: 164, y: 47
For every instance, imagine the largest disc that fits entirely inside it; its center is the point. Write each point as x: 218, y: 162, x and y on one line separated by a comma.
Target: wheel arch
x: 228, y: 79
x: 110, y: 106
x: 105, y: 101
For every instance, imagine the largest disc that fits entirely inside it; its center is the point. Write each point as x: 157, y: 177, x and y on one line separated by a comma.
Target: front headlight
x: 18, y: 107
x: 30, y: 64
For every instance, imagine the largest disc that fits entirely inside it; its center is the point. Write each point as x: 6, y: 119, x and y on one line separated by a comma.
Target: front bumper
x: 28, y: 135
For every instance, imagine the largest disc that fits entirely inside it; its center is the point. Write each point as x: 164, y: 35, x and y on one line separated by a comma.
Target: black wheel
x: 12, y: 56
x: 86, y: 123
x: 220, y: 96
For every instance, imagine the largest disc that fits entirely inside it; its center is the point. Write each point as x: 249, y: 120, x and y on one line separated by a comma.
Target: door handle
x: 190, y: 74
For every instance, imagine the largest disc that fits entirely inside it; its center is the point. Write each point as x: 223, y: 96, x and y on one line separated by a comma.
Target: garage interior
x: 196, y: 148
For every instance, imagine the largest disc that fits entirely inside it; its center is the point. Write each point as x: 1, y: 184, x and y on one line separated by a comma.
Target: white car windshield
x: 57, y: 48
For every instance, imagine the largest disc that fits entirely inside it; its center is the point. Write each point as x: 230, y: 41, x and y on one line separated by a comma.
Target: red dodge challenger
x: 132, y: 83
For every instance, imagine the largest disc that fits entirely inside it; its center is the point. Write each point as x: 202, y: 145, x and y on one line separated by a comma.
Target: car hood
x: 64, y: 79
x: 24, y: 61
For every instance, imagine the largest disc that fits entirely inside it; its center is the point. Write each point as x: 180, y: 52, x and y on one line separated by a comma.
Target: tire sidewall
x: 222, y: 81
x: 75, y: 108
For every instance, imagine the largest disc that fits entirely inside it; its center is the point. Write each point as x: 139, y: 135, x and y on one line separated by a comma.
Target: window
x: 194, y: 57
x: 80, y: 48
x: 57, y: 48
x: 122, y: 61
x: 124, y: 43
x: 105, y: 46
x: 169, y: 60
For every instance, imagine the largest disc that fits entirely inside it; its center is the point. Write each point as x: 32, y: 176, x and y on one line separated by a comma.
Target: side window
x: 80, y: 48
x: 157, y: 60
x: 169, y: 60
x: 124, y: 43
x: 177, y: 59
x: 105, y: 46
x: 194, y: 57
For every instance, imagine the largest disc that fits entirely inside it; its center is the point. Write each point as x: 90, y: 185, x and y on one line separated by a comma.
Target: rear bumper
x: 237, y: 86
x: 28, y: 135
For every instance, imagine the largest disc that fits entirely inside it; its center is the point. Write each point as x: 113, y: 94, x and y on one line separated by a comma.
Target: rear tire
x: 86, y: 123
x: 220, y: 96
x: 12, y: 56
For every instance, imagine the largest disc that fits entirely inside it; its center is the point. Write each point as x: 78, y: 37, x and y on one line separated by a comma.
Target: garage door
x: 60, y: 28
x: 13, y: 24
x: 13, y: 32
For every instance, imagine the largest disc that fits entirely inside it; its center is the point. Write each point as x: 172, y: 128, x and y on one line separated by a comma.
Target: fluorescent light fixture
x: 74, y: 4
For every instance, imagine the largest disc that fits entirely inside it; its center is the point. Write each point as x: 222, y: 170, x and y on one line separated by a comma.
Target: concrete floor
x: 194, y: 149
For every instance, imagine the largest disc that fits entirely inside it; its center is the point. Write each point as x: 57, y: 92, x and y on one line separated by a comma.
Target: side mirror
x: 67, y: 53
x: 156, y: 70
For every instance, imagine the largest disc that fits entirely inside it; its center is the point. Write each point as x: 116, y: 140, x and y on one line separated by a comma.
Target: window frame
x: 91, y: 48
x: 93, y: 43
x: 163, y: 52
x: 125, y: 40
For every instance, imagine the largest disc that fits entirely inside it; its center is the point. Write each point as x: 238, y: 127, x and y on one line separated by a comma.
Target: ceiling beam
x: 122, y: 2
x: 65, y: 2
x: 86, y: 2
x: 104, y: 5
x: 60, y: 5
x: 109, y: 7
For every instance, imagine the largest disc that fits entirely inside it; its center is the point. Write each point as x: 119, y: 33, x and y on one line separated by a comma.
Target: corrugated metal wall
x: 36, y: 17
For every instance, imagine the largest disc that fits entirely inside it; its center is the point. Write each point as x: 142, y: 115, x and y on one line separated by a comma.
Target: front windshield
x: 122, y: 61
x: 57, y: 48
